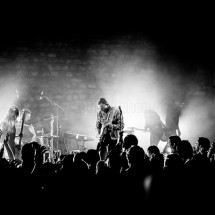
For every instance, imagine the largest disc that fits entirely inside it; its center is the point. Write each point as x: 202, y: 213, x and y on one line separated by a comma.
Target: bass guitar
x: 103, y: 138
x: 19, y: 145
x: 138, y: 129
x: 165, y: 136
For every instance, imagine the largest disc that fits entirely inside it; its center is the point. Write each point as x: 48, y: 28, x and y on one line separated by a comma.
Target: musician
x: 108, y: 124
x: 8, y: 128
x: 29, y: 134
x: 173, y: 113
x: 154, y: 125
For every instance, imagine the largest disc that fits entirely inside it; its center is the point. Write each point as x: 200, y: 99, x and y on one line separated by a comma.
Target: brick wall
x: 72, y: 74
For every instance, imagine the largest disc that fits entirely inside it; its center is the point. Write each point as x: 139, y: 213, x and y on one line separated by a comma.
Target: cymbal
x: 47, y: 136
x: 43, y: 136
x: 51, y: 117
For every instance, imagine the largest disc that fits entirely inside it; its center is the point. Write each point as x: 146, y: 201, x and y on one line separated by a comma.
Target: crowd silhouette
x: 129, y: 180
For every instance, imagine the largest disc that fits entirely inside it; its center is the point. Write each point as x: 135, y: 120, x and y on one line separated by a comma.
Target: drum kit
x: 46, y: 140
x: 78, y: 140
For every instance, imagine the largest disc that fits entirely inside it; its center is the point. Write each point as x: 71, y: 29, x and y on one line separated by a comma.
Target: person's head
x: 13, y: 113
x: 185, y: 150
x: 28, y: 152
x: 130, y: 140
x: 27, y: 114
x: 102, y: 104
x: 153, y: 151
x: 135, y: 156
x: 173, y: 142
x: 202, y: 145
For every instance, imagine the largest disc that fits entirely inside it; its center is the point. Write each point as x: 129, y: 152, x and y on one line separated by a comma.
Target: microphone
x: 41, y: 96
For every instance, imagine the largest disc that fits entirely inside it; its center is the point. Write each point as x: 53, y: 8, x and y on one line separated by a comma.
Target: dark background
x: 181, y: 31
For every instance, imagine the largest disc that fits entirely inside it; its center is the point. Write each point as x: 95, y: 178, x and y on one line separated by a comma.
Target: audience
x: 134, y: 179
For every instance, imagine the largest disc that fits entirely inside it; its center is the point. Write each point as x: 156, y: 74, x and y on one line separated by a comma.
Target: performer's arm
x: 119, y: 122
x: 178, y: 131
x: 98, y: 124
x: 146, y: 126
x: 32, y: 130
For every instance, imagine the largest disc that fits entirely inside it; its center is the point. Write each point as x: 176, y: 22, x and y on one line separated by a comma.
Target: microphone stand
x: 57, y: 123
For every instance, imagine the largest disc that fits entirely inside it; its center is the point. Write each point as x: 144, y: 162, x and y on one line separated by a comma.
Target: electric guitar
x: 165, y: 136
x: 19, y: 145
x: 138, y: 129
x: 103, y: 135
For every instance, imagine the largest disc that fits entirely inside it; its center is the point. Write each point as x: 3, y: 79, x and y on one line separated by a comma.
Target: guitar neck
x: 22, y: 125
x: 139, y: 129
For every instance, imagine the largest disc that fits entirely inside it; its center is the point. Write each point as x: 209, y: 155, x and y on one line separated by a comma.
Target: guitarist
x: 154, y: 125
x: 173, y: 113
x: 25, y: 132
x: 8, y: 129
x: 109, y: 123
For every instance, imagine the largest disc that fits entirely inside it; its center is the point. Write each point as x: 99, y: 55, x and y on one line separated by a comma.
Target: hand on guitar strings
x: 20, y: 135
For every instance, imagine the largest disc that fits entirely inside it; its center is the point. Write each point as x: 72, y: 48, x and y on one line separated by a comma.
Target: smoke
x: 9, y: 93
x: 130, y: 74
x: 136, y: 83
x: 197, y: 119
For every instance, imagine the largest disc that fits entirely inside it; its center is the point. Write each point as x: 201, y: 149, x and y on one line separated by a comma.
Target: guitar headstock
x: 24, y: 111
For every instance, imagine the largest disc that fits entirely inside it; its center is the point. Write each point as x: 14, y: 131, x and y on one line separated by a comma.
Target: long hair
x: 9, y: 121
